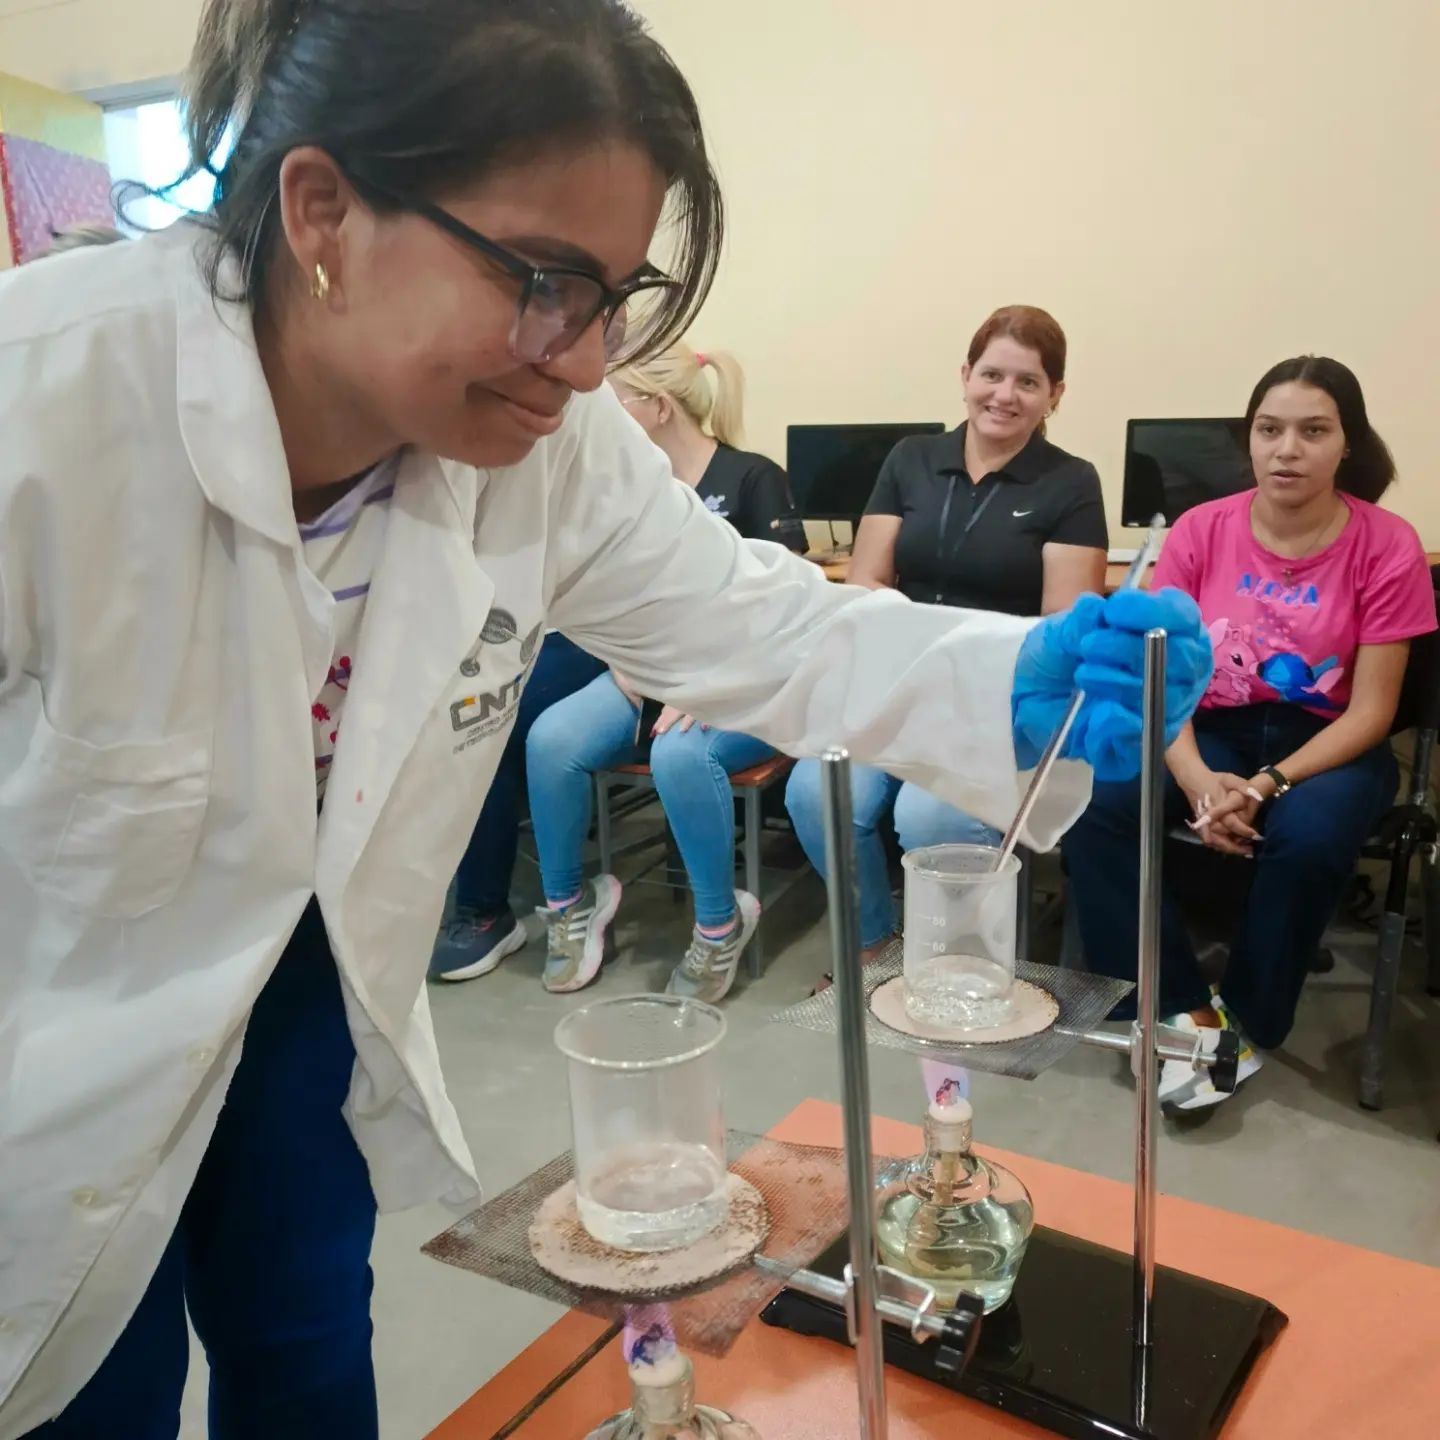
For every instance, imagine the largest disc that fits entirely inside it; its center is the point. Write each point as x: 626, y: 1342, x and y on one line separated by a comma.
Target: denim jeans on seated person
x: 919, y: 818
x: 482, y: 881
x: 1313, y: 837
x: 594, y: 729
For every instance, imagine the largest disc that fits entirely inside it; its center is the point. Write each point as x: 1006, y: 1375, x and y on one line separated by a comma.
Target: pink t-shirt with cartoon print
x: 1288, y: 629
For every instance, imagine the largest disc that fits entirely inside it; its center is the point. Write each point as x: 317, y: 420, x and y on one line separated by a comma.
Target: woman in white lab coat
x: 287, y: 502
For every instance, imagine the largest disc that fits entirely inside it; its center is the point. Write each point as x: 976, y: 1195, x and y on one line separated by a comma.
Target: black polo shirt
x: 978, y: 545
x: 753, y: 494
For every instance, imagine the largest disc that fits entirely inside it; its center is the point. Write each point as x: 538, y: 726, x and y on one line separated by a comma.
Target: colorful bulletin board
x: 52, y: 168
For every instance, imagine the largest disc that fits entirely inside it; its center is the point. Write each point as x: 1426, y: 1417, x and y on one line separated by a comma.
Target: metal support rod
x: 855, y: 1090
x: 1147, y: 1080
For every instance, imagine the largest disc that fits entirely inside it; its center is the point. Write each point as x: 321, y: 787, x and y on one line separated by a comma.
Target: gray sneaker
x: 708, y: 970
x: 577, y: 935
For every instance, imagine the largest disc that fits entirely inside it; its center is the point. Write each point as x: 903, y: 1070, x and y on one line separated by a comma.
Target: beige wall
x: 1194, y: 190
x: 95, y: 44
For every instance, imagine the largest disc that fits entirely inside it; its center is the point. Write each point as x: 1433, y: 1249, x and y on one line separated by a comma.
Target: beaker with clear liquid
x: 959, y: 936
x: 646, y: 1119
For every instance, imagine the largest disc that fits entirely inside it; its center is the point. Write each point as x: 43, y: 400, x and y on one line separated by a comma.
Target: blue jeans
x: 1312, y: 840
x: 272, y: 1252
x: 595, y: 729
x: 482, y: 882
x: 919, y: 818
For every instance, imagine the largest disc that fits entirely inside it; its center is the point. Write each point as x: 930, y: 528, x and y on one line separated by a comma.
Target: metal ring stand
x: 862, y: 1278
x: 872, y: 1293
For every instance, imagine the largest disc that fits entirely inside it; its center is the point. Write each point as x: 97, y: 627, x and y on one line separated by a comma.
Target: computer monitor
x: 833, y: 468
x: 1173, y: 465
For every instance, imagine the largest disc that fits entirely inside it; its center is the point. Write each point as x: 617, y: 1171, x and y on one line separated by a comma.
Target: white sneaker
x: 1250, y: 1061
x: 1183, y: 1088
x: 576, y: 935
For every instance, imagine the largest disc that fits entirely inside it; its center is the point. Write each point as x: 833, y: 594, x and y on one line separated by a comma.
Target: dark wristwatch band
x: 1282, y: 785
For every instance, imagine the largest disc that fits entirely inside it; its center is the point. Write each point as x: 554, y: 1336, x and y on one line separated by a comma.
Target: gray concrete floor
x: 1292, y: 1147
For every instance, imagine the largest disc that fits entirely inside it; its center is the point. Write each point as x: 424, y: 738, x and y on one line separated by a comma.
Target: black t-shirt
x: 979, y: 545
x: 753, y: 494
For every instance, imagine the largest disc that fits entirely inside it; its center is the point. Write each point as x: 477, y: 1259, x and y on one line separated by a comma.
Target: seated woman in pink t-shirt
x: 1312, y: 595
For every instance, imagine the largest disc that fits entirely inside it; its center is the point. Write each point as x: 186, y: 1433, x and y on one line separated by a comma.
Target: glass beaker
x: 645, y: 1112
x: 959, y: 936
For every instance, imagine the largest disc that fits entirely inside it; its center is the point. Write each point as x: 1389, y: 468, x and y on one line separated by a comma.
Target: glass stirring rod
x: 1133, y: 576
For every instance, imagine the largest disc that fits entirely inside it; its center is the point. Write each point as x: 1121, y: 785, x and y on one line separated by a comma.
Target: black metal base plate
x: 1060, y: 1353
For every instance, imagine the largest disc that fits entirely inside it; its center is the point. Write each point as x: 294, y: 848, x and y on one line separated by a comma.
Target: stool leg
x: 1382, y: 1002
x: 603, y: 837
x: 1430, y: 881
x: 1387, y: 976
x: 752, y: 879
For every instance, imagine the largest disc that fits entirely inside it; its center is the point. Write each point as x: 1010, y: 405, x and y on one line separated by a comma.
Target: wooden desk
x: 1358, y: 1357
x: 838, y: 570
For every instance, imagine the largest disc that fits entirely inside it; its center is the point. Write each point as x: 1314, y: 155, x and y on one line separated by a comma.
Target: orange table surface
x: 1359, y: 1358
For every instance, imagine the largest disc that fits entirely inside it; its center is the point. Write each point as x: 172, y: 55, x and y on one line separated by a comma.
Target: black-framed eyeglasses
x: 557, y: 303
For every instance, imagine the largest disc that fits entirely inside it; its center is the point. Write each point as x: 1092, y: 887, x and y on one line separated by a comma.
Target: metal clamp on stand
x: 904, y: 1302
x: 907, y: 1291
x: 1223, y: 1063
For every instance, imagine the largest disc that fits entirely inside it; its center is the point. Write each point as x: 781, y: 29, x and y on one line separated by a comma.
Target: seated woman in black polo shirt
x: 990, y: 516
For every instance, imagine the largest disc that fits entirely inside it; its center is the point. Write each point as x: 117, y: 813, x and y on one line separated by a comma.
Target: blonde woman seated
x: 991, y: 516
x: 690, y: 405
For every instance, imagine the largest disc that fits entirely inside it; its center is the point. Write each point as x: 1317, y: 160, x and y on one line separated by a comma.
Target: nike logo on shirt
x: 1021, y: 514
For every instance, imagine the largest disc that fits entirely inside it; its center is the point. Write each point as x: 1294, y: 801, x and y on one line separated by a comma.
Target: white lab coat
x: 161, y: 642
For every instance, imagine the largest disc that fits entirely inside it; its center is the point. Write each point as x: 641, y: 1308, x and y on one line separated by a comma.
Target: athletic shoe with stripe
x: 576, y: 935
x: 708, y: 970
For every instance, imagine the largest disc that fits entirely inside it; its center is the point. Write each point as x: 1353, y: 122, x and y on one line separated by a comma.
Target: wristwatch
x: 1281, y: 784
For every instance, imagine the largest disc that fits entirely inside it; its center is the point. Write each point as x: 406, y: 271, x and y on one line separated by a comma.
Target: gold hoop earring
x: 320, y: 285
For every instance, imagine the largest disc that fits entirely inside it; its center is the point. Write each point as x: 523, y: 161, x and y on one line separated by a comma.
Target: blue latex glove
x: 1099, y: 647
x: 1045, y: 677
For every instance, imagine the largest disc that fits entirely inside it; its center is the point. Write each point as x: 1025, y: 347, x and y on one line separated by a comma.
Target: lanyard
x: 970, y: 524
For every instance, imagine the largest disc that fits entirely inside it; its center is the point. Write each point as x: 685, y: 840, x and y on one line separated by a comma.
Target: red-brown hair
x: 1031, y: 327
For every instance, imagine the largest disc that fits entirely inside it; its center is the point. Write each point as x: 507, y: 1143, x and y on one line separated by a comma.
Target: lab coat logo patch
x: 500, y: 628
x: 477, y: 716
x: 477, y: 709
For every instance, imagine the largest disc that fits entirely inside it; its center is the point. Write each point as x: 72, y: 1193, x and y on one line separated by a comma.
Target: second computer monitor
x: 1173, y: 465
x: 833, y: 468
